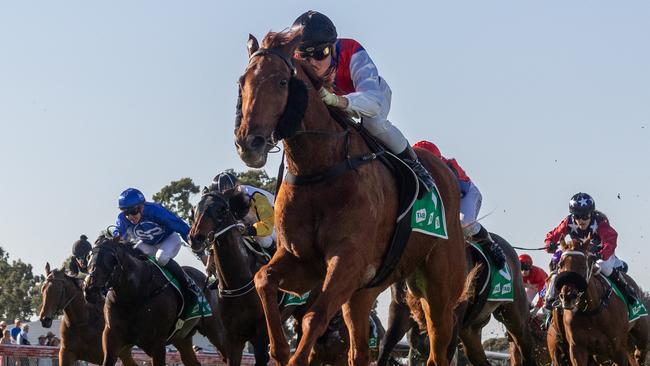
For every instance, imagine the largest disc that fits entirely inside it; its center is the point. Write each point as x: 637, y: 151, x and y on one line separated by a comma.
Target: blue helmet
x: 130, y: 197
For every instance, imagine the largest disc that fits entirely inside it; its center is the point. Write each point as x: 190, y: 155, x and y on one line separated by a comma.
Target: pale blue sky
x: 537, y: 100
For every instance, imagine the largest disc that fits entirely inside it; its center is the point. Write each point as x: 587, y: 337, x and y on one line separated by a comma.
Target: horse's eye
x: 283, y: 83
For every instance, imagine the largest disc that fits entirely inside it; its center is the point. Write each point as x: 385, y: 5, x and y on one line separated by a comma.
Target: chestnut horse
x: 216, y: 223
x: 141, y: 305
x: 336, y: 230
x: 474, y: 315
x: 595, y: 319
x: 83, y: 323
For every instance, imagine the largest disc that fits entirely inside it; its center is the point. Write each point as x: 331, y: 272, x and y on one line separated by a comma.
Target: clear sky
x: 537, y: 100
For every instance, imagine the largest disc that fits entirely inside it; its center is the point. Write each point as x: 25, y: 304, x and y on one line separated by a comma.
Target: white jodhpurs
x: 381, y: 128
x: 606, y: 267
x: 163, y: 251
x: 470, y: 205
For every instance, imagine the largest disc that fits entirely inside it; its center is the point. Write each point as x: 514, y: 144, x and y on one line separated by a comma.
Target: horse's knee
x: 263, y: 279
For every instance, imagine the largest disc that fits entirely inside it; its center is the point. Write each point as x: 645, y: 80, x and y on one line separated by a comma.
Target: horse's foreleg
x: 342, y: 279
x: 282, y: 267
x: 579, y: 356
x: 158, y: 356
x: 112, y: 344
x: 471, y: 337
x: 355, y: 314
x: 399, y: 322
x: 514, y: 316
x: 184, y: 347
x: 261, y: 348
x: 66, y: 358
x: 126, y: 357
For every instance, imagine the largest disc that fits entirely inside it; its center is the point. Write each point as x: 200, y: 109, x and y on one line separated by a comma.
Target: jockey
x: 357, y: 87
x: 259, y: 220
x: 157, y: 232
x: 80, y: 250
x: 534, y: 280
x: 470, y: 204
x: 584, y: 221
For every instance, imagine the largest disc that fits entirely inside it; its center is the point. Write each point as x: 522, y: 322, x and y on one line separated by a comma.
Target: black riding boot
x: 188, y: 287
x: 484, y: 239
x: 411, y: 159
x: 625, y: 287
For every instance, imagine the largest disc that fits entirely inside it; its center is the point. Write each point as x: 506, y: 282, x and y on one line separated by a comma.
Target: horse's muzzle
x: 46, y: 322
x: 252, y: 150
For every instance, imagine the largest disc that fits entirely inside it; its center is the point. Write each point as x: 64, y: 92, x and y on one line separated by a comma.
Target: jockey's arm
x: 170, y: 220
x: 368, y: 97
x: 556, y: 234
x: 608, y: 238
x: 265, y: 215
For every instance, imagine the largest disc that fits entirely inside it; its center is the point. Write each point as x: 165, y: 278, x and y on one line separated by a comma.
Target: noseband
x: 590, y: 264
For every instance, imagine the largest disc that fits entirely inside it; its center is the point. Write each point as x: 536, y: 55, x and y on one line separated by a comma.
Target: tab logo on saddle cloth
x: 428, y: 215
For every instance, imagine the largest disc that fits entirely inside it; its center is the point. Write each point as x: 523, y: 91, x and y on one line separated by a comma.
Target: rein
x: 52, y: 279
x: 604, y: 300
x: 348, y: 163
x: 213, y: 241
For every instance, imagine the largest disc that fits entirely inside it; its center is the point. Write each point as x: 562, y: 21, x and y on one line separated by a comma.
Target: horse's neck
x: 595, y: 292
x: 315, y: 153
x: 233, y: 262
x: 134, y: 280
x: 77, y: 311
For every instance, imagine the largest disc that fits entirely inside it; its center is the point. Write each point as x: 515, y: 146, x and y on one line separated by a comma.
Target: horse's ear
x: 47, y: 268
x: 205, y: 190
x: 239, y: 204
x: 290, y: 47
x: 252, y: 45
x: 563, y: 244
x: 192, y: 214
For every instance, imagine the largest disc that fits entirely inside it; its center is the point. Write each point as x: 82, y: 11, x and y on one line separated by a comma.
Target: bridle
x: 51, y: 279
x: 115, y: 272
x: 588, y: 275
x: 273, y: 140
x: 213, y: 240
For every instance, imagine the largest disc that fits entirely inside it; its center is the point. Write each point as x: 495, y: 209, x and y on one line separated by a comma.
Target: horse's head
x: 272, y: 99
x: 104, y: 267
x: 574, y: 271
x: 57, y: 292
x: 216, y: 214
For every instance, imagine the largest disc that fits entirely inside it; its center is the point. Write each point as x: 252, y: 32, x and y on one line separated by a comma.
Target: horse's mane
x: 54, y: 273
x: 280, y: 39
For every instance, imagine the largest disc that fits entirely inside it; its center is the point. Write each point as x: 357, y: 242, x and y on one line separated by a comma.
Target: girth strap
x: 338, y: 169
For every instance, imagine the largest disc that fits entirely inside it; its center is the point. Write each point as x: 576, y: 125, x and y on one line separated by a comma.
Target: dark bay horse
x: 594, y: 318
x: 473, y: 315
x: 83, y: 322
x: 217, y: 223
x: 141, y: 305
x: 336, y: 231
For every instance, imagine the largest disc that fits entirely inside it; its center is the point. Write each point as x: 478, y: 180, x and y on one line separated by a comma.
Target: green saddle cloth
x: 289, y: 299
x: 500, y: 286
x: 428, y: 215
x: 201, y: 308
x: 634, y: 311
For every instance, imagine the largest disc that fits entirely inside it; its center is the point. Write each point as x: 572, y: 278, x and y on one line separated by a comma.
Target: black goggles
x: 316, y: 54
x: 131, y: 211
x: 526, y: 267
x: 582, y: 216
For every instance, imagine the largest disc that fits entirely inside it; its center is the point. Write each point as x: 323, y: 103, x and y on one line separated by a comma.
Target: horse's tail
x: 417, y: 312
x: 469, y: 289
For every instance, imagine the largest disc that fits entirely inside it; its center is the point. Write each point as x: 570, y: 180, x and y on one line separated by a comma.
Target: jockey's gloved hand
x: 595, y: 250
x: 251, y: 231
x: 328, y: 97
x: 552, y: 247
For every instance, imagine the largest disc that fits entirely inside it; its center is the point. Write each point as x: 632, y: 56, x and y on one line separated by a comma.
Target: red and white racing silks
x: 601, y: 233
x: 534, y: 283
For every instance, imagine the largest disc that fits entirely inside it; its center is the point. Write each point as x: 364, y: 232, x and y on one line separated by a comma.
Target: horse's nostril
x: 255, y: 142
x: 200, y: 238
